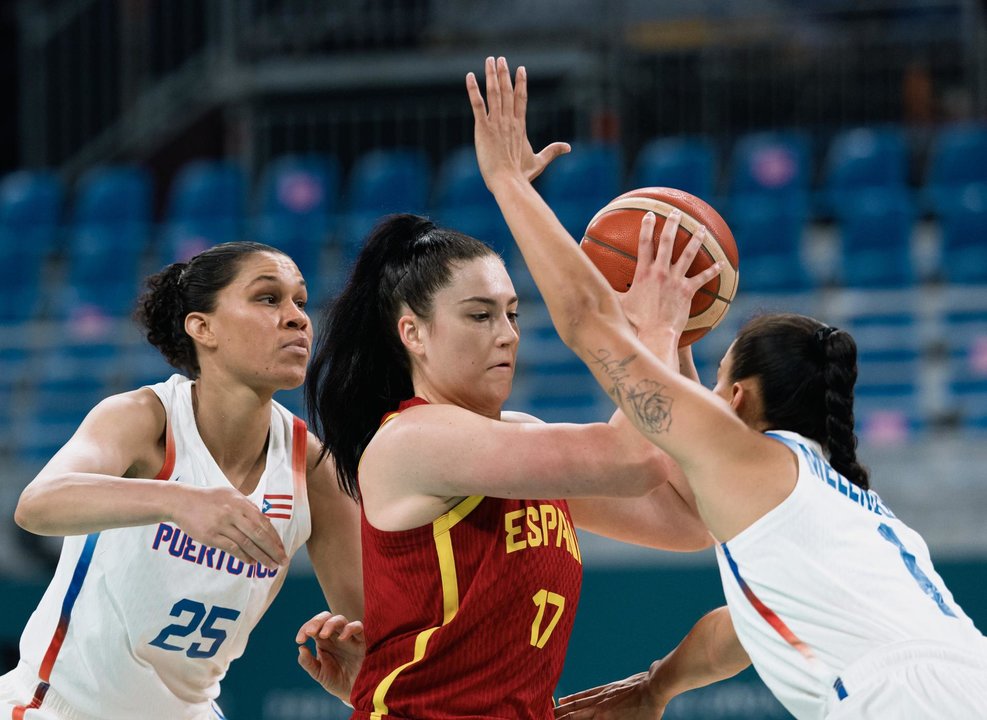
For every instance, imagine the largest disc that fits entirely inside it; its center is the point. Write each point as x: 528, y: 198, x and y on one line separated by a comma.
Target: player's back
x: 827, y: 577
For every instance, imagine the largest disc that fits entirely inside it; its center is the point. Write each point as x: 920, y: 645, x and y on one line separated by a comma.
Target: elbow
x: 26, y: 512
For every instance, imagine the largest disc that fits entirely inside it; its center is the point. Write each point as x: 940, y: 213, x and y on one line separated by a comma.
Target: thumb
x: 308, y: 662
x: 549, y: 153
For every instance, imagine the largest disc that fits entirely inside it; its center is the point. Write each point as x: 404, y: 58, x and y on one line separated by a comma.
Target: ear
x: 199, y: 329
x: 410, y: 331
x: 738, y: 398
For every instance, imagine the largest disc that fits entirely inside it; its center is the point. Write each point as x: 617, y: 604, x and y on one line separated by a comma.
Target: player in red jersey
x: 471, y: 564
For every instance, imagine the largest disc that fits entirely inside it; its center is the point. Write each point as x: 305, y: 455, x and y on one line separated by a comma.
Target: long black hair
x: 806, y: 372
x: 360, y: 369
x: 186, y: 287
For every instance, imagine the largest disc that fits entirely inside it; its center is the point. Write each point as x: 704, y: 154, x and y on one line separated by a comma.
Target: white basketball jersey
x: 827, y: 576
x: 143, y: 622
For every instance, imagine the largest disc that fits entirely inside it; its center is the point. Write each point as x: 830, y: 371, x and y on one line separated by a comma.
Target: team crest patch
x: 277, y: 506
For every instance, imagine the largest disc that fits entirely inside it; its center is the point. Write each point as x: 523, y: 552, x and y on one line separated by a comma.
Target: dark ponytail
x: 186, y: 287
x: 360, y: 369
x: 806, y: 371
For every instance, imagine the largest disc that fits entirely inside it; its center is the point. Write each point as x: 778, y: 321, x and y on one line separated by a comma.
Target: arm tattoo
x: 645, y: 399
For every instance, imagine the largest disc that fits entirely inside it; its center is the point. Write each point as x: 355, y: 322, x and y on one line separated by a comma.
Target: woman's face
x: 259, y: 331
x: 468, y: 349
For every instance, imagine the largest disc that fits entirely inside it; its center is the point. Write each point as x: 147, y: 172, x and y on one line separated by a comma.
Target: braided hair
x: 806, y: 372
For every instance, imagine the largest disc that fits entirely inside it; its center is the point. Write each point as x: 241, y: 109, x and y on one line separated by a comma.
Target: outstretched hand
x: 340, y: 649
x: 500, y: 132
x: 627, y: 699
x: 661, y: 294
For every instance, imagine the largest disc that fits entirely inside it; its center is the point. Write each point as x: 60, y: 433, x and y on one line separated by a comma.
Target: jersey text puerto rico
x: 181, y: 546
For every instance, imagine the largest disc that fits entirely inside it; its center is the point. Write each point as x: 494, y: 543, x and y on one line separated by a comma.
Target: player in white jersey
x: 181, y: 505
x: 833, y: 599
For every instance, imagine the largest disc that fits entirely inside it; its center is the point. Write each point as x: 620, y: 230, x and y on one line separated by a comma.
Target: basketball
x: 611, y: 242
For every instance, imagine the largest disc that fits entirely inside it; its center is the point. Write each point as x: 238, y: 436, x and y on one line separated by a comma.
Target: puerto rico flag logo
x: 277, y: 506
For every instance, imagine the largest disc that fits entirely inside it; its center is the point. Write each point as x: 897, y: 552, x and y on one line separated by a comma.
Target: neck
x: 234, y: 423
x: 427, y: 391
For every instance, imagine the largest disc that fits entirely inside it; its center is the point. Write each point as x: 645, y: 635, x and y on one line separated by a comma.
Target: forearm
x: 709, y: 653
x: 573, y: 289
x: 82, y: 503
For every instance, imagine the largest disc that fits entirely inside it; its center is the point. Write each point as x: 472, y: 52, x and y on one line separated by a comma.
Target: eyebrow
x: 486, y: 300
x: 268, y: 278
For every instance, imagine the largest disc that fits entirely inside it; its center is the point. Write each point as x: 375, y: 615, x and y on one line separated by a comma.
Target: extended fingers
x: 506, y: 89
x: 476, y: 97
x: 520, y: 93
x: 494, y: 103
x: 691, y: 249
x: 645, y: 246
x: 663, y: 256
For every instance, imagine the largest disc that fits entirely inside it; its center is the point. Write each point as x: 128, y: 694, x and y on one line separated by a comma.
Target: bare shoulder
x: 513, y: 416
x: 122, y: 435
x: 136, y: 414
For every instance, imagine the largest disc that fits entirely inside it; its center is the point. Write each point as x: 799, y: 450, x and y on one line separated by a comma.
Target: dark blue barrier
x: 626, y: 618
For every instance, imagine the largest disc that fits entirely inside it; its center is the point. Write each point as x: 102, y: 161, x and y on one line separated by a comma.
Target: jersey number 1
x: 207, y: 628
x: 927, y: 586
x: 542, y: 599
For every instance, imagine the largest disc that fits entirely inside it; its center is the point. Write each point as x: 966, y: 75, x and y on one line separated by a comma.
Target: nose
x: 507, y: 332
x: 296, y: 317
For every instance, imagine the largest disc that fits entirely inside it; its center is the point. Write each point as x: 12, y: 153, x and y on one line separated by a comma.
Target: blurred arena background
x: 844, y: 142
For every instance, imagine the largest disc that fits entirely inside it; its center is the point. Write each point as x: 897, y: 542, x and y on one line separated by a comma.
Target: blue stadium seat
x: 297, y: 202
x: 963, y: 258
x: 888, y: 398
x: 958, y: 158
x: 205, y: 207
x: 30, y: 211
x: 552, y: 383
x: 383, y: 182
x: 687, y: 163
x: 861, y: 159
x: 462, y: 202
x: 580, y: 183
x: 771, y: 163
x: 876, y: 232
x: 768, y: 232
x: 112, y: 221
x: 966, y: 338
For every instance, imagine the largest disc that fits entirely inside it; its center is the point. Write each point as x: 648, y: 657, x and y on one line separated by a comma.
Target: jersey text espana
x: 469, y: 616
x: 143, y: 622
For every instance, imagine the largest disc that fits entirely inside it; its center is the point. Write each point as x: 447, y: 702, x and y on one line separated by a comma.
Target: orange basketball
x: 611, y: 241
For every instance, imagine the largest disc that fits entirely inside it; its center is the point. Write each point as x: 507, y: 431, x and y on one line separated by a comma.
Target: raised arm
x: 675, y: 414
x: 101, y: 479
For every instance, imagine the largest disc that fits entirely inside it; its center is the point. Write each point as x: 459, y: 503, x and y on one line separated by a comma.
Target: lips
x: 299, y: 343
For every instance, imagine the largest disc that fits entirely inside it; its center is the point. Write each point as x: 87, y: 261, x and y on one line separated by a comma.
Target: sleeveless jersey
x: 469, y: 616
x: 826, y: 577
x: 144, y: 621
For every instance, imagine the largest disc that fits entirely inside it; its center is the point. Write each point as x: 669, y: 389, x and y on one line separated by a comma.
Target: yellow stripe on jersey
x: 450, y: 593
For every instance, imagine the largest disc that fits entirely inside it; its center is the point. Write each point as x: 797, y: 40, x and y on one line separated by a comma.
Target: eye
x: 480, y: 317
x: 269, y: 299
x: 302, y: 304
x: 513, y: 316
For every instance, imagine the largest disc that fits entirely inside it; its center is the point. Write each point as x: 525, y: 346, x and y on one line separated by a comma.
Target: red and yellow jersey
x: 470, y: 616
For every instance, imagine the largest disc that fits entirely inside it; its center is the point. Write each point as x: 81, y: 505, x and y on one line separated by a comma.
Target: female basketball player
x: 182, y: 503
x: 472, y: 568
x: 833, y: 598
